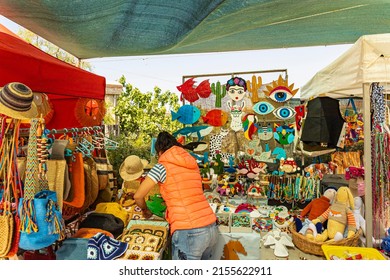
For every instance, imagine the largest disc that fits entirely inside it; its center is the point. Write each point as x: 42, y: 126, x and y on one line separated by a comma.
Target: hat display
x: 104, y: 221
x: 132, y: 168
x: 16, y: 101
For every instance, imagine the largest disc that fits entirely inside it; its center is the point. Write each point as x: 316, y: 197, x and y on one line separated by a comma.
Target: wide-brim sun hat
x: 16, y: 101
x: 132, y: 168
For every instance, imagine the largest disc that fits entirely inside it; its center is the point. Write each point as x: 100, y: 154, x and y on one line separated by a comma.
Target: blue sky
x: 166, y: 72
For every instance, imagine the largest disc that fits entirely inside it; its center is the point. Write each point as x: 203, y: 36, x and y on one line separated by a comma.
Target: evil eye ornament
x: 280, y: 94
x: 280, y: 91
x: 284, y: 113
x: 263, y: 108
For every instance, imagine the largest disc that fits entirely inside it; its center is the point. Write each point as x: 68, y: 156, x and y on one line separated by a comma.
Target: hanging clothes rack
x: 25, y: 131
x: 74, y: 130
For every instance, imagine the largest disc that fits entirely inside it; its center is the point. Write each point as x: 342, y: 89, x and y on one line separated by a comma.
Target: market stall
x: 353, y: 75
x: 63, y: 83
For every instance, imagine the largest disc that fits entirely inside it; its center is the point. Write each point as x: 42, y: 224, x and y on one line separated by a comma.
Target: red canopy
x: 62, y: 82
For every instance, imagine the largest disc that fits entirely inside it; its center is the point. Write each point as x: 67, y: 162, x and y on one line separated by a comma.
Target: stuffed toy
x: 357, y: 212
x: 340, y: 217
x: 314, y: 209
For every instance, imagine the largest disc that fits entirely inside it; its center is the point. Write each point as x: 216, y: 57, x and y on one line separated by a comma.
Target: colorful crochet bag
x: 40, y: 215
x: 10, y: 187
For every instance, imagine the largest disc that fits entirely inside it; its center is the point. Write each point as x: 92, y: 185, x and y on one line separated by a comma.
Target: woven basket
x: 314, y: 247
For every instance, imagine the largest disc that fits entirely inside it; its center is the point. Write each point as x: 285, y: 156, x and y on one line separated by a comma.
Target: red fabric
x: 23, y: 62
x: 63, y: 110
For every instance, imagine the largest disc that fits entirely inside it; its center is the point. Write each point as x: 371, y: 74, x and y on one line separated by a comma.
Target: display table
x: 250, y: 246
x: 254, y: 248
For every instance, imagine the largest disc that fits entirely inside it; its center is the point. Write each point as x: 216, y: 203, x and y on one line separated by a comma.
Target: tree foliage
x: 52, y: 49
x: 143, y: 115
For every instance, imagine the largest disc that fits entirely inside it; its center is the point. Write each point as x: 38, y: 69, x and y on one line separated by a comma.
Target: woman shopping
x: 191, y: 219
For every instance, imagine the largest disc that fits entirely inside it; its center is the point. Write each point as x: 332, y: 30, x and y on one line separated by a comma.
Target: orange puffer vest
x: 182, y: 191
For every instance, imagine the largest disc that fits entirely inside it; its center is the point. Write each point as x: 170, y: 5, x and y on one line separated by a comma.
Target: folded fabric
x: 90, y: 232
x: 102, y: 247
x: 354, y: 172
x: 139, y: 255
x: 143, y: 241
x: 73, y: 249
x: 104, y: 221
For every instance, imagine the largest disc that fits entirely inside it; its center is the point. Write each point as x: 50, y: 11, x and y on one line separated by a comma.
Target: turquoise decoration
x: 194, y: 131
x: 284, y: 134
x: 187, y: 114
x: 263, y: 108
x: 231, y: 168
x: 279, y: 152
x: 203, y: 159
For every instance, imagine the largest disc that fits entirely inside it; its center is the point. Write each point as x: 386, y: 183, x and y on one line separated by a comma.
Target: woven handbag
x: 6, y: 230
x: 91, y: 182
x: 7, y: 155
x: 40, y: 215
x: 102, y: 167
x: 56, y: 169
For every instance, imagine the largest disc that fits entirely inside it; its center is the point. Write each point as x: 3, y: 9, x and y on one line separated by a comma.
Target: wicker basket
x: 314, y: 247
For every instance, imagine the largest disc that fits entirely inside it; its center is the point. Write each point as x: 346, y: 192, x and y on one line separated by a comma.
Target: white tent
x: 367, y: 61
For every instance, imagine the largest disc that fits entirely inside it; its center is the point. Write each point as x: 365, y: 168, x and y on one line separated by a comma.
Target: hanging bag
x: 17, y: 191
x: 102, y: 168
x: 41, y: 219
x: 6, y: 229
x: 354, y: 128
x: 7, y: 220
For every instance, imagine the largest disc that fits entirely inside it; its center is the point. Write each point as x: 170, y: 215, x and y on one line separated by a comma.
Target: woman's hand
x: 146, y: 213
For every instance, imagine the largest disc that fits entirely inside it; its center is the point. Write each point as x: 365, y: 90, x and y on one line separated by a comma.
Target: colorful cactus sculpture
x: 220, y: 92
x: 253, y: 87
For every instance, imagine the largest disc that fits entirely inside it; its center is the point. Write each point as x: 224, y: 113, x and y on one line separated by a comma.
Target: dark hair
x: 165, y: 141
x: 236, y: 81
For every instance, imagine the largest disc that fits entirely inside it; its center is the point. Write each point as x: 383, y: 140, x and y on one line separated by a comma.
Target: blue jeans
x: 194, y: 244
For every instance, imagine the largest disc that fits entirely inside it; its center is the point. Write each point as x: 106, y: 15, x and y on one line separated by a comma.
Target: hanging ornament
x: 280, y: 91
x: 284, y: 134
x: 249, y: 123
x: 284, y: 113
x: 263, y: 108
x: 265, y: 131
x: 90, y: 112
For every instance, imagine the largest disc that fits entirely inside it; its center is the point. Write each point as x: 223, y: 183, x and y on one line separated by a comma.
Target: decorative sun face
x: 280, y: 91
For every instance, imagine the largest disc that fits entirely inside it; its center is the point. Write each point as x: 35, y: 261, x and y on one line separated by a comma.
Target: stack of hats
x: 16, y: 101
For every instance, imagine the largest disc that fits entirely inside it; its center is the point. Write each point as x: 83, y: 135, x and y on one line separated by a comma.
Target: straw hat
x: 16, y: 101
x: 132, y: 168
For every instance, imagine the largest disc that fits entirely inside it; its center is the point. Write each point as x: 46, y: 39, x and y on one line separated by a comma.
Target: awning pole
x: 367, y: 164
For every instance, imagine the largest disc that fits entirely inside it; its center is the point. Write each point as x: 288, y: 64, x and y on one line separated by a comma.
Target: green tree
x: 143, y: 115
x: 52, y: 49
